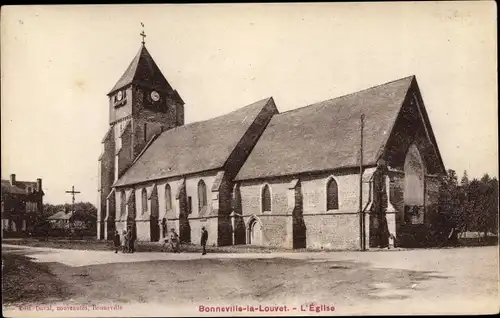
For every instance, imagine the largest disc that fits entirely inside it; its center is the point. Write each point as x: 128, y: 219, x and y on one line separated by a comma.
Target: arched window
x: 202, y: 195
x: 332, y: 195
x: 123, y: 203
x: 144, y: 200
x: 168, y: 198
x: 266, y: 199
x: 414, y: 186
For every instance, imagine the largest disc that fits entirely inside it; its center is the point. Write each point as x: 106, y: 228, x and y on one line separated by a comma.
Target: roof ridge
x: 346, y: 95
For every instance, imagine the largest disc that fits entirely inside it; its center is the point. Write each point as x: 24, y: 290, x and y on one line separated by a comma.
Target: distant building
x: 60, y: 220
x: 22, y: 202
x: 65, y: 222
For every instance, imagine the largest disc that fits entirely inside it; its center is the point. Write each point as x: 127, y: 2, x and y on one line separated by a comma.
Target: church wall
x: 331, y: 231
x: 408, y: 129
x: 174, y: 184
x: 142, y: 212
x: 123, y: 153
x: 106, y: 179
x: 196, y: 220
x: 335, y: 229
x: 109, y: 223
x: 120, y: 214
x: 396, y: 197
x: 208, y: 217
x: 414, y: 235
x: 171, y: 215
x: 274, y: 229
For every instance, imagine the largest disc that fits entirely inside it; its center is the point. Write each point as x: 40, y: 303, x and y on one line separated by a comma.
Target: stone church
x: 257, y: 176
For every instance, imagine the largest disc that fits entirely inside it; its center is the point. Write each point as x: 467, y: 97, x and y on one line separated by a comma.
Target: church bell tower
x: 142, y: 104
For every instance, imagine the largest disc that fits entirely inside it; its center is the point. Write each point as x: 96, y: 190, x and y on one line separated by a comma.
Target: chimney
x: 38, y: 185
x: 12, y: 179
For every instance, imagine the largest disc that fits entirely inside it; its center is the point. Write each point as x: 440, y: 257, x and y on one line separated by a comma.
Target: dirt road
x: 461, y: 280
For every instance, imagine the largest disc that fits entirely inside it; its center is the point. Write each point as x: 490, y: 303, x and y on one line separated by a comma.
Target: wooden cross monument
x: 73, y: 192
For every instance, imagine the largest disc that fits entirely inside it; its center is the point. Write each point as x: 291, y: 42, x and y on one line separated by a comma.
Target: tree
x: 450, y: 217
x: 471, y: 205
x: 488, y: 205
x: 464, y: 182
x: 482, y: 197
x: 448, y: 202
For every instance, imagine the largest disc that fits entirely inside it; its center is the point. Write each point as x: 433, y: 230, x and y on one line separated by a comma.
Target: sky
x: 59, y: 62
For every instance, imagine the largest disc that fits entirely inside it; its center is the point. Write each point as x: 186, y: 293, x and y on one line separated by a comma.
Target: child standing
x: 124, y: 242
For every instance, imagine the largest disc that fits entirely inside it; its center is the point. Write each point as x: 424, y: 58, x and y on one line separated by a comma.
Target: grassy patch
x: 25, y: 281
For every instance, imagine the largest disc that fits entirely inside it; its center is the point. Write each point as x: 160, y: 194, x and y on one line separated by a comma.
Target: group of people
x: 126, y: 241
x: 172, y: 241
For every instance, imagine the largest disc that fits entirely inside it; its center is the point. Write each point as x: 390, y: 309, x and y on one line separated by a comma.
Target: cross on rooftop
x: 143, y: 34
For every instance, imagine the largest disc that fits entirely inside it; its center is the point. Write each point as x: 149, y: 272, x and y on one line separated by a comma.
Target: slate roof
x: 8, y: 188
x: 61, y: 215
x: 144, y: 71
x: 24, y: 184
x: 19, y: 187
x: 326, y: 135
x: 199, y: 146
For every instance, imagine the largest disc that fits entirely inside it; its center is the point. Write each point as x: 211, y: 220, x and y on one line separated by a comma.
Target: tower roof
x: 143, y: 71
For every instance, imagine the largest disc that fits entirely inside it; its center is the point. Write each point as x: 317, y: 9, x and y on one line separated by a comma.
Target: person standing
x: 164, y: 227
x: 129, y: 239
x: 133, y: 238
x: 204, y: 239
x: 124, y: 241
x: 174, y: 241
x: 116, y: 241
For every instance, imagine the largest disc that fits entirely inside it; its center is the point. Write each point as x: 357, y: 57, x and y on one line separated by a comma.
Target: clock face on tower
x: 119, y: 96
x: 155, y: 96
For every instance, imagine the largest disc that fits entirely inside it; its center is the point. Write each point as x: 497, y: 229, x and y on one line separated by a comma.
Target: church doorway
x: 254, y: 232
